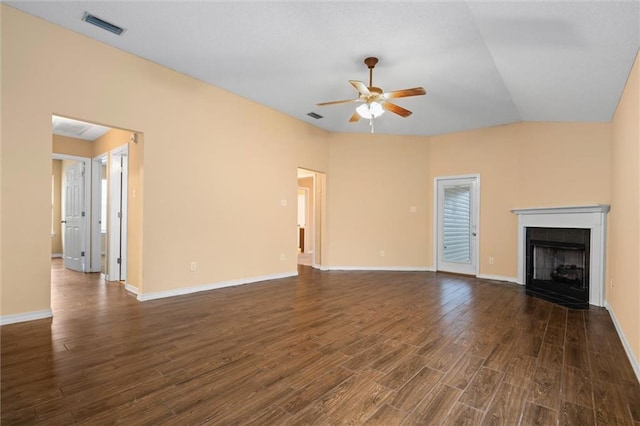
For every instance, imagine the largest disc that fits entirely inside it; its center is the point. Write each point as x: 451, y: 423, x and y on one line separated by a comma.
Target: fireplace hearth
x: 557, y: 265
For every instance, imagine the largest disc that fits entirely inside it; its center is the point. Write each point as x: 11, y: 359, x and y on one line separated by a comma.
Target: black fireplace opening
x: 557, y: 265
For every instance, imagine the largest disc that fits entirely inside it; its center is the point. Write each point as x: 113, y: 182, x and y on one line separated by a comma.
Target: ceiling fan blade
x: 396, y: 109
x: 416, y: 91
x: 360, y: 87
x: 355, y: 117
x: 337, y: 102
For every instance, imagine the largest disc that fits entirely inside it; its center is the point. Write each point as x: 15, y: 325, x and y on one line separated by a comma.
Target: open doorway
x: 90, y: 196
x: 311, y: 213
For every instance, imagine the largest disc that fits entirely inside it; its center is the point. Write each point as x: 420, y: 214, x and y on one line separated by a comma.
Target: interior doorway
x: 310, y: 218
x: 93, y: 196
x: 304, y: 224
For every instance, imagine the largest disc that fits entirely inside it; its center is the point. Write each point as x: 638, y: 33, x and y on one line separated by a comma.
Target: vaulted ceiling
x: 482, y: 63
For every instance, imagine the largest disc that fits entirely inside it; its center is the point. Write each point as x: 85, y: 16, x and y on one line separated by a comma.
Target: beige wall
x: 493, y: 154
x: 623, y: 268
x: 374, y: 180
x: 71, y: 146
x: 56, y: 239
x: 196, y: 205
x: 372, y: 183
x: 524, y: 165
x: 321, y: 231
x: 571, y: 163
x: 114, y: 138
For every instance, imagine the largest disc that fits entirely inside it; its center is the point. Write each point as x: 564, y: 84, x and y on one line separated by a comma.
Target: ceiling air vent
x: 314, y: 115
x: 101, y: 23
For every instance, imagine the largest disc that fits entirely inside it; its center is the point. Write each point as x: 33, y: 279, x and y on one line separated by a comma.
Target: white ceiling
x: 482, y: 63
x: 77, y: 129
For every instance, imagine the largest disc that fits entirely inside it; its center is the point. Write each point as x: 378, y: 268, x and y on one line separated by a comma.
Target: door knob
x: 63, y: 221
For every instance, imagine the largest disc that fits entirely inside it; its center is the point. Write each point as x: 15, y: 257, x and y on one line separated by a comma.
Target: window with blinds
x: 456, y: 224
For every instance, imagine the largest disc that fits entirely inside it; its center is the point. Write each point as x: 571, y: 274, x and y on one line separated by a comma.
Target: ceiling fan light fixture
x: 370, y: 110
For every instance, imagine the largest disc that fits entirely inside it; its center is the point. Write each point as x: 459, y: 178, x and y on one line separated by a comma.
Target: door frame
x: 308, y: 238
x: 317, y: 216
x: 476, y: 218
x: 86, y: 243
x: 118, y: 232
x: 96, y: 208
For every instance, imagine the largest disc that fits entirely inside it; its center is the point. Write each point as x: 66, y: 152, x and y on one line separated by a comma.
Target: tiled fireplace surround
x: 591, y: 217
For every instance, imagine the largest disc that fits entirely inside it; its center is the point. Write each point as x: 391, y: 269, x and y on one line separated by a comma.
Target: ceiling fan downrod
x: 371, y: 63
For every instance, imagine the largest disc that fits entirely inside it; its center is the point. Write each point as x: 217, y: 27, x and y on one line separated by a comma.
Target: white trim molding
x: 625, y: 343
x: 592, y: 217
x: 131, y: 289
x: 143, y: 297
x: 382, y: 268
x: 27, y: 316
x: 498, y: 278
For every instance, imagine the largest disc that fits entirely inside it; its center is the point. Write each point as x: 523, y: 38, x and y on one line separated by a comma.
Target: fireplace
x: 592, y: 217
x: 557, y: 265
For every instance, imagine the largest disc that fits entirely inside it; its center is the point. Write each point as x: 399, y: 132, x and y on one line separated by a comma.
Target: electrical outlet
x: 283, y: 256
x: 194, y: 266
x: 382, y: 253
x: 490, y: 260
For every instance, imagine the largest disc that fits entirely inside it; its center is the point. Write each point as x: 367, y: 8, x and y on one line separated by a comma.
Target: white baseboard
x: 320, y: 267
x: 188, y: 290
x: 27, y: 316
x: 56, y: 255
x: 498, y: 278
x: 625, y: 343
x: 380, y: 268
x: 131, y: 289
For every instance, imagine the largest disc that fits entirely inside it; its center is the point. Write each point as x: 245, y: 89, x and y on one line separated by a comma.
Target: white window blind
x: 456, y: 224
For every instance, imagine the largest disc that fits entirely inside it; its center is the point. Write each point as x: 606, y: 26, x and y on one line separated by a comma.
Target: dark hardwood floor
x: 323, y: 348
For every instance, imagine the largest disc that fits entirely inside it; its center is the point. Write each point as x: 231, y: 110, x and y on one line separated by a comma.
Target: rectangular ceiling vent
x: 314, y: 115
x: 101, y: 23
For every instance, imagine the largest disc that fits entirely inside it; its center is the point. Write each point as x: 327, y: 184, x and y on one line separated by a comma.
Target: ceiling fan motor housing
x: 371, y: 62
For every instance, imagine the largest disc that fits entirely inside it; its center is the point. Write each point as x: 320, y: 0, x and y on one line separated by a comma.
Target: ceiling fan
x: 374, y: 100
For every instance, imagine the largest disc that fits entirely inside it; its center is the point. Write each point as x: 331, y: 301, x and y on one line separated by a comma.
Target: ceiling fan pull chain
x: 371, y: 123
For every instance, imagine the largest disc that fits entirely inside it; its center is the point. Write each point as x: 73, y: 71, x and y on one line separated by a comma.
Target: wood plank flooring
x: 384, y: 348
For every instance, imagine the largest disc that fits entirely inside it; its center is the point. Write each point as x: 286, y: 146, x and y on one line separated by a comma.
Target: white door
x: 74, y: 216
x: 118, y: 192
x: 457, y: 218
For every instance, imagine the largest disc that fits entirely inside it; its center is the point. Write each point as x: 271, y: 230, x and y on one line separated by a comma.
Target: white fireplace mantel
x: 591, y: 217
